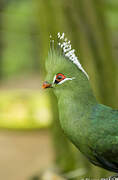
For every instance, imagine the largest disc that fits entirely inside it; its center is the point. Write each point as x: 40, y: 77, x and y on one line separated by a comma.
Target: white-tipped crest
x: 68, y: 51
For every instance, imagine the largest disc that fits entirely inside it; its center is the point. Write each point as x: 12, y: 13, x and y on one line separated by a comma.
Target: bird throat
x: 74, y: 112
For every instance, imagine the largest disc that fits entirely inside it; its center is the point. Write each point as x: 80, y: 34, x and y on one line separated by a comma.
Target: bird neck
x: 80, y: 97
x: 74, y: 110
x: 78, y: 101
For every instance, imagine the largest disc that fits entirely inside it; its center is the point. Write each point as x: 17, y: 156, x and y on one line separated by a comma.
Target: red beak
x: 46, y: 85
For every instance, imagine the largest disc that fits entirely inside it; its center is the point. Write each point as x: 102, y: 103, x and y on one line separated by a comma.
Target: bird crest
x: 63, y: 45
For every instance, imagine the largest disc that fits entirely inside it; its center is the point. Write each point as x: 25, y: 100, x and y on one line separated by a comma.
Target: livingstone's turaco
x: 91, y: 127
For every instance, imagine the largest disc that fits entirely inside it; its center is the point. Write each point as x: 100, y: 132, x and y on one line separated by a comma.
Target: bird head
x: 64, y: 71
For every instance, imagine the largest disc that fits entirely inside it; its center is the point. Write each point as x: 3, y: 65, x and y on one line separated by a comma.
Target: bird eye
x: 59, y: 78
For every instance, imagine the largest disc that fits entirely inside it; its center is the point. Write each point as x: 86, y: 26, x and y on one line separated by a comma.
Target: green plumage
x: 92, y: 127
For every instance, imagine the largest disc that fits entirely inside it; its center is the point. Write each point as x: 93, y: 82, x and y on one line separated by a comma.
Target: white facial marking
x: 66, y: 79
x: 61, y: 82
x: 54, y: 79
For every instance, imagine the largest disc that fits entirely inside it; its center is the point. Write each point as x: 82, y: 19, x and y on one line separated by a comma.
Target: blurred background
x: 32, y: 145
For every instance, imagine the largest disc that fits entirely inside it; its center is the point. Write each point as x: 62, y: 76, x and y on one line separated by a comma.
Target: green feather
x: 92, y: 127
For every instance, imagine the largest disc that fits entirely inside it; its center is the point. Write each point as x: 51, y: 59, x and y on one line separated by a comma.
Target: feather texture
x: 92, y: 127
x: 67, y: 51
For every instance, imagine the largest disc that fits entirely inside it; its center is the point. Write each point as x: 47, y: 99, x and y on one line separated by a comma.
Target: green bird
x: 90, y: 126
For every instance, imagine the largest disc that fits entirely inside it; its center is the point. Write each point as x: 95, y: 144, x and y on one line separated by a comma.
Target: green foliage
x: 112, y: 13
x: 18, y: 32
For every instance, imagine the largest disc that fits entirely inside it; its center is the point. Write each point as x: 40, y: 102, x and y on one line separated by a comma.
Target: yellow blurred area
x: 24, y: 110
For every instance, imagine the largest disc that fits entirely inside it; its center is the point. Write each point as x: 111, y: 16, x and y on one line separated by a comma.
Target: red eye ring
x: 60, y: 77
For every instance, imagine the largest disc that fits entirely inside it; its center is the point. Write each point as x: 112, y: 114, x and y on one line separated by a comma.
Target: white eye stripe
x: 54, y: 79
x: 61, y: 82
x: 66, y: 79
